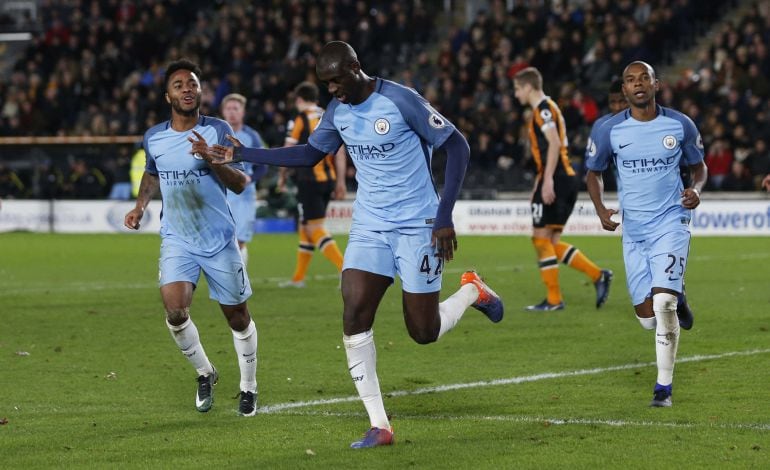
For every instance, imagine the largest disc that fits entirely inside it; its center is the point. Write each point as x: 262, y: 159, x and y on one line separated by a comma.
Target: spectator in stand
x: 738, y: 179
x: 49, y: 181
x: 759, y: 162
x: 121, y: 184
x: 102, y: 59
x: 718, y: 160
x: 85, y: 49
x: 84, y: 182
x: 11, y: 186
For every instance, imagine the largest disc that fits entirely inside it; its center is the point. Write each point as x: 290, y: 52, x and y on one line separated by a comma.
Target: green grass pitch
x: 89, y: 376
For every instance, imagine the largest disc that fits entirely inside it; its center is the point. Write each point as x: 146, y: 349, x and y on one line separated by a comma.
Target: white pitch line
x: 512, y: 380
x: 550, y: 421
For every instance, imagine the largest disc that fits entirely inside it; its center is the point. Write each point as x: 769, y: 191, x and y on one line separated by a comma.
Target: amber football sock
x: 574, y: 258
x: 327, y: 246
x: 304, y: 255
x: 549, y: 268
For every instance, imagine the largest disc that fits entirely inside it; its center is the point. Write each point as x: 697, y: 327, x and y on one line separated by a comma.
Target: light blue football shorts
x: 657, y: 262
x: 224, y: 271
x: 244, y: 209
x: 407, y: 252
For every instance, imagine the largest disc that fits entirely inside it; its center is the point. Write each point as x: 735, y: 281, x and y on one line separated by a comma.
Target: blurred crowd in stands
x: 95, y: 68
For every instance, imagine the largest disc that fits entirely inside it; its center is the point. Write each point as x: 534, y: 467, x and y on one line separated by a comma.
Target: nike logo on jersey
x: 342, y: 129
x: 626, y: 145
x: 430, y: 281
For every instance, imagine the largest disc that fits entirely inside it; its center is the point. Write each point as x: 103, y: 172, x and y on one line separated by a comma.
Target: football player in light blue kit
x: 617, y: 102
x: 243, y: 205
x: 400, y: 225
x: 646, y: 144
x: 197, y: 232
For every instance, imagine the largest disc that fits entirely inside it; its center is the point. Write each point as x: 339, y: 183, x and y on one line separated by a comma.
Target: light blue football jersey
x: 244, y: 205
x: 595, y: 131
x: 647, y: 156
x: 390, y: 138
x: 249, y: 138
x: 195, y: 213
x: 591, y: 147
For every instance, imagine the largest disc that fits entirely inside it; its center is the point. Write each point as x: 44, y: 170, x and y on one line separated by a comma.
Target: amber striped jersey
x: 547, y: 114
x: 298, y: 132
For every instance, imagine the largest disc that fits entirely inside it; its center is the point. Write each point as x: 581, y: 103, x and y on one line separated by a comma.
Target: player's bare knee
x: 177, y: 315
x: 357, y: 318
x: 239, y: 323
x: 237, y: 316
x: 354, y: 326
x: 423, y: 335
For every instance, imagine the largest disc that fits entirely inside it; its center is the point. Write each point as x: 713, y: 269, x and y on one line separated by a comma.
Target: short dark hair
x: 181, y: 64
x: 308, y: 91
x: 531, y: 76
x: 616, y: 86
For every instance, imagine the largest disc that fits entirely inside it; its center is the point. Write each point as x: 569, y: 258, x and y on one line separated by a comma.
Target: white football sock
x: 186, y: 337
x: 362, y: 364
x: 666, y: 336
x: 246, y: 348
x: 453, y: 308
x: 245, y: 255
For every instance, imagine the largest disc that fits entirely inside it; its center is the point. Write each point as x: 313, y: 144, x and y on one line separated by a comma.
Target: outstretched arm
x: 458, y: 155
x: 298, y: 155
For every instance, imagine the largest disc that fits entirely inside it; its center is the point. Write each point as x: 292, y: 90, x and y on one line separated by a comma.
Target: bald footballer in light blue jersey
x: 646, y: 143
x: 197, y: 233
x: 400, y: 225
x: 243, y: 205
